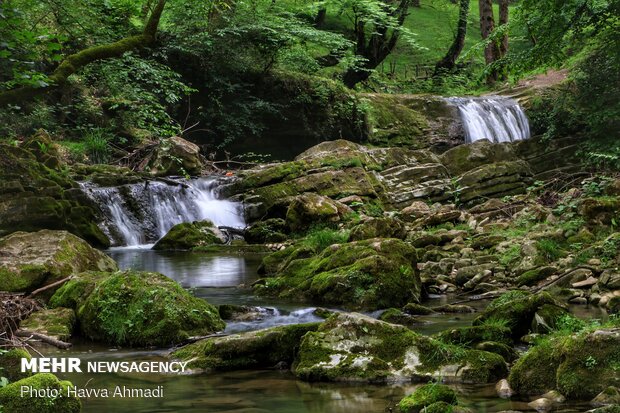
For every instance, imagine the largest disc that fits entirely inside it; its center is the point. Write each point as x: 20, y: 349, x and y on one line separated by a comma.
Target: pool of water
x: 226, y: 280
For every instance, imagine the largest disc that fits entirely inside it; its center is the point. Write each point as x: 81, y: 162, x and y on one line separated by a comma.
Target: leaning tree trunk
x: 487, y: 25
x: 74, y: 62
x: 449, y: 60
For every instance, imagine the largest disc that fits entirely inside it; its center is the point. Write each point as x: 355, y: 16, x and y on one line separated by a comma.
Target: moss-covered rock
x: 136, y: 308
x: 600, y: 211
x: 426, y: 396
x: 383, y: 227
x: 396, y: 316
x: 269, y: 230
x: 10, y: 364
x: 470, y: 336
x: 252, y: 350
x: 55, y: 322
x: 176, y: 156
x: 310, y: 209
x: 12, y: 400
x: 518, y: 310
x: 579, y: 366
x: 354, y: 347
x: 417, y: 309
x: 370, y: 274
x: 535, y: 275
x: 189, y: 235
x: 29, y: 260
x: 35, y: 197
x: 464, y: 158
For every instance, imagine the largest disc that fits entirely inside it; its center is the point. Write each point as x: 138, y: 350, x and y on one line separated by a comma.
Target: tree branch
x: 74, y: 62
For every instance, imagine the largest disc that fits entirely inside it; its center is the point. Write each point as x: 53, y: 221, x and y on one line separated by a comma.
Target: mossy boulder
x: 13, y: 402
x: 470, y: 336
x: 176, y: 156
x: 600, y: 211
x: 310, y: 209
x: 29, y: 260
x: 354, y: 347
x: 428, y: 395
x: 519, y: 309
x: 269, y: 230
x: 136, y: 308
x: 370, y: 274
x: 252, y: 350
x: 417, y: 309
x: 189, y: 235
x: 494, y: 180
x: 10, y: 364
x: 464, y: 158
x: 383, y: 227
x: 54, y: 322
x: 579, y: 366
x: 396, y: 316
x: 34, y: 197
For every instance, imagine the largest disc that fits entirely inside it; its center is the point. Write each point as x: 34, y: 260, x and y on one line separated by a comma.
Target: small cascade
x: 139, y: 214
x: 495, y: 118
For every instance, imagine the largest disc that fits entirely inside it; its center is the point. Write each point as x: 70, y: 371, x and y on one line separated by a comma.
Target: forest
x: 311, y: 205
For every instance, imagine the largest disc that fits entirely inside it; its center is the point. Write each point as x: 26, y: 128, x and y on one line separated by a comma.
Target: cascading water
x: 495, y: 118
x: 139, y: 214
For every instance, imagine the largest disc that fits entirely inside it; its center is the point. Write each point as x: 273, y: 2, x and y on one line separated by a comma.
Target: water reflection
x: 190, y: 269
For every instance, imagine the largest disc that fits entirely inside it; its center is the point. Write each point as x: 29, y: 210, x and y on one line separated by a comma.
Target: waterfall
x: 142, y: 213
x: 495, y: 118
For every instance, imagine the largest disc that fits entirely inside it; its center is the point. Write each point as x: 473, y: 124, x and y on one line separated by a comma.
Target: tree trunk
x: 503, y: 19
x: 319, y: 20
x: 378, y: 47
x: 487, y: 25
x: 449, y: 60
x: 74, y: 62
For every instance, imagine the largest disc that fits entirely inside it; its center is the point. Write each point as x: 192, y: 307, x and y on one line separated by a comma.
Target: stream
x: 224, y: 279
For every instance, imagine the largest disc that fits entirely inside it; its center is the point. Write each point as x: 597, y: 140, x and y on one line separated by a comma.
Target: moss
x: 396, y: 316
x: 383, y: 227
x: 10, y: 364
x: 252, y: 350
x: 42, y: 257
x: 427, y: 395
x: 189, y: 235
x: 535, y: 275
x: 56, y: 322
x: 13, y: 402
x: 518, y: 310
x: 270, y: 230
x: 470, y: 336
x: 439, y: 407
x: 507, y: 352
x: 417, y: 309
x: 352, y: 347
x: 136, y: 308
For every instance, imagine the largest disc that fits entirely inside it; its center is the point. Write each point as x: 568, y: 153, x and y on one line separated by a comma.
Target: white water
x: 495, y: 118
x: 273, y: 317
x: 139, y: 214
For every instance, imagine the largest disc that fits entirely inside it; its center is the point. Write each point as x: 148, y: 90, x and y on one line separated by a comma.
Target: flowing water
x: 142, y: 213
x: 225, y: 279
x: 495, y: 118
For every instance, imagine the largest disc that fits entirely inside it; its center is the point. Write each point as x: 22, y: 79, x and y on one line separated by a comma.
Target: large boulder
x: 310, y: 209
x: 355, y: 347
x: 494, y: 180
x: 10, y: 364
x: 522, y: 311
x: 252, y: 350
x: 176, y: 156
x: 464, y: 158
x: 34, y: 197
x: 12, y: 400
x: 579, y: 366
x: 189, y: 235
x: 29, y: 260
x: 136, y: 308
x: 369, y: 274
x: 383, y: 227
